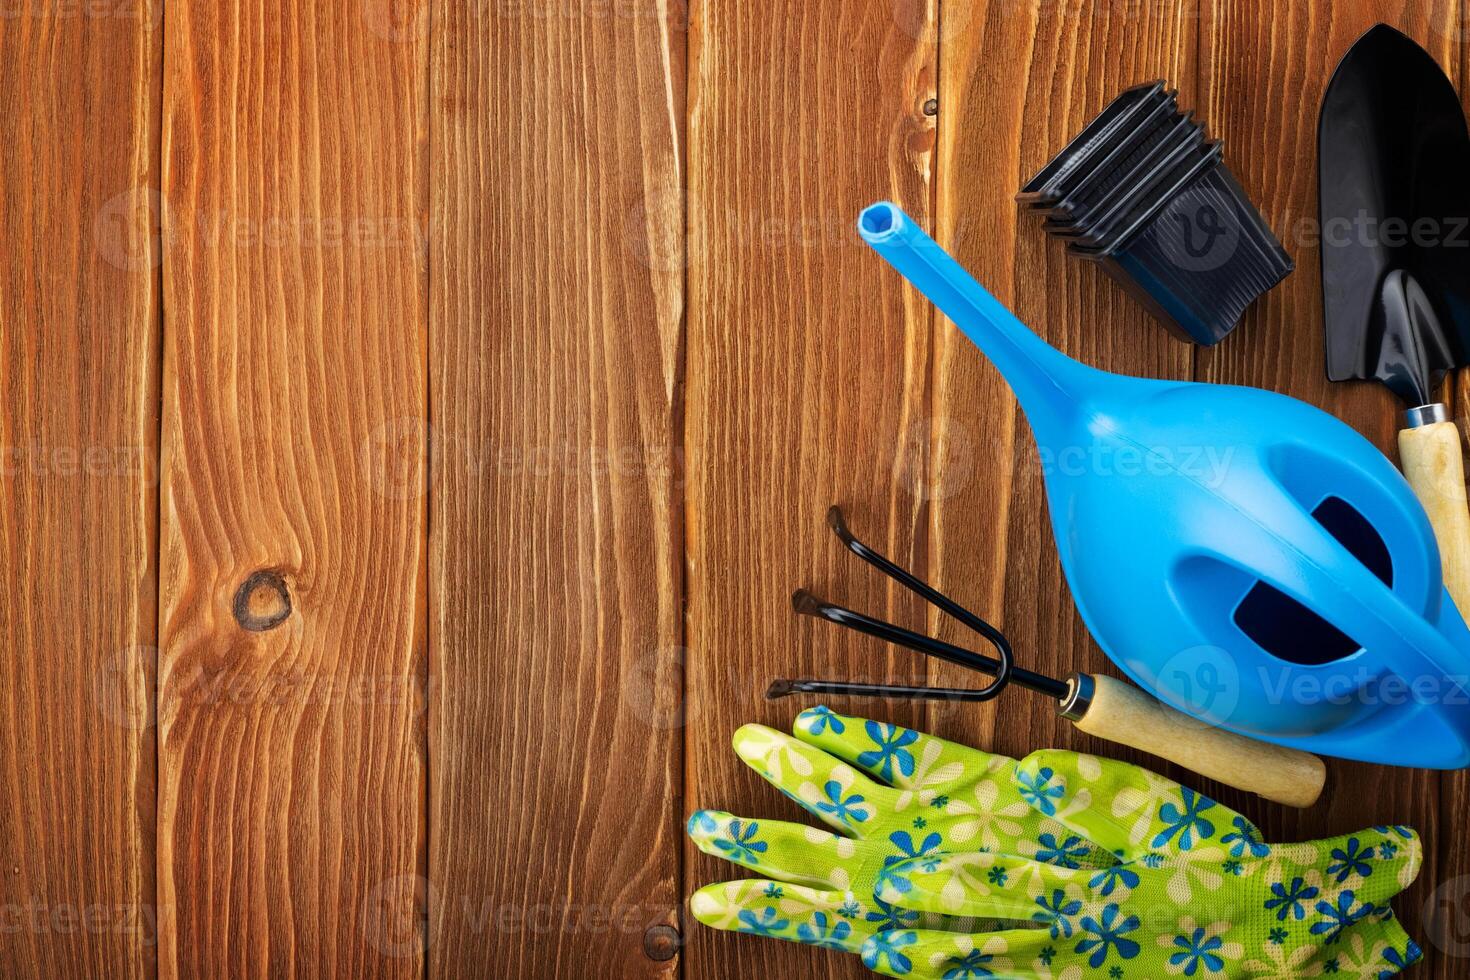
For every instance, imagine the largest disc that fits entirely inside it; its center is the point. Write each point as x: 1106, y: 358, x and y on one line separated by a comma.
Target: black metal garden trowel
x: 1394, y: 164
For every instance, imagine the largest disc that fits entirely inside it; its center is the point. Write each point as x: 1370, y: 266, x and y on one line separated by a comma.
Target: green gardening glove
x: 1197, y: 895
x: 889, y: 794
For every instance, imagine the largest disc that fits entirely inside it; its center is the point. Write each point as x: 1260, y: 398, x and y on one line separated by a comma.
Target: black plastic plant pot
x: 1133, y: 205
x: 1144, y: 193
x: 1200, y: 261
x: 1118, y: 122
x: 1156, y: 132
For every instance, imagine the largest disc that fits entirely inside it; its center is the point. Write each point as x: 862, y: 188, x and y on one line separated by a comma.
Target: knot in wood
x: 262, y: 602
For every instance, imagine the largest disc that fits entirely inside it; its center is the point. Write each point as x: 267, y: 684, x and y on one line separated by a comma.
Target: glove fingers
x: 824, y: 785
x: 988, y: 885
x: 1129, y: 810
x: 1384, y: 947
x: 1375, y: 865
x: 898, y: 756
x: 1376, y: 951
x: 835, y: 920
x: 918, y: 954
x: 790, y: 852
x: 813, y: 916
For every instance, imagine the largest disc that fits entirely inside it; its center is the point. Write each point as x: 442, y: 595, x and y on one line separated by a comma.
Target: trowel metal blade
x: 1394, y: 168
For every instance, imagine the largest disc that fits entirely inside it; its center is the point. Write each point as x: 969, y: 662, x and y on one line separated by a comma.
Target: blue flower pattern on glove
x: 1400, y: 961
x: 889, y: 946
x: 1289, y: 901
x: 897, y: 867
x: 1352, y: 860
x: 768, y: 923
x: 1056, y: 913
x: 820, y: 719
x: 1245, y: 838
x: 1038, y: 791
x: 1108, y: 879
x: 1068, y: 854
x: 844, y: 809
x: 889, y: 753
x: 739, y: 842
x: 1339, y: 917
x: 1186, y: 823
x: 969, y: 966
x: 1196, y: 950
x: 1108, y: 934
x: 891, y: 916
x: 824, y: 933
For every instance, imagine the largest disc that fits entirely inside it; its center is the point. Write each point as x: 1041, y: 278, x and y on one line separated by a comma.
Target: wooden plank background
x: 556, y: 574
x: 805, y: 372
x: 464, y: 386
x: 79, y: 332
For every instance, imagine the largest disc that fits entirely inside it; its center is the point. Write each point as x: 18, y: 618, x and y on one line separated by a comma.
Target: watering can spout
x: 1047, y: 383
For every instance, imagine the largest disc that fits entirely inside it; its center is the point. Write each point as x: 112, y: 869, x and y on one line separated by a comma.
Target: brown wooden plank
x: 1445, y: 911
x: 293, y: 467
x: 556, y: 569
x: 1262, y: 80
x: 1019, y: 82
x: 808, y: 382
x: 78, y: 531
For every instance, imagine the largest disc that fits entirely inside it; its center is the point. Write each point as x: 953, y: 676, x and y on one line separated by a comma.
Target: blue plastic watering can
x: 1246, y: 557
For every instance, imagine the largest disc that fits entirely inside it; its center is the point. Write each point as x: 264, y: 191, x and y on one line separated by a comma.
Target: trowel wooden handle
x: 1435, y: 466
x: 1122, y: 713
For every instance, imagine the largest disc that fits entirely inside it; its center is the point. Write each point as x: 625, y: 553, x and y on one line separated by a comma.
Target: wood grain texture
x: 808, y: 382
x: 1446, y: 910
x: 1019, y: 81
x: 556, y: 570
x: 1262, y: 81
x: 78, y: 531
x: 291, y: 742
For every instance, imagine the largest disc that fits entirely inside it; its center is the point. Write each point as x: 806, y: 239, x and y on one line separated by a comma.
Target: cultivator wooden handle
x: 1120, y: 712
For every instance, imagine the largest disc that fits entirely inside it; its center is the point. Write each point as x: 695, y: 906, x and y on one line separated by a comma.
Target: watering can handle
x: 1121, y: 713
